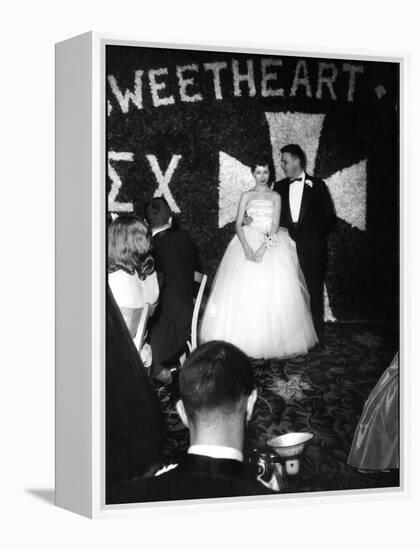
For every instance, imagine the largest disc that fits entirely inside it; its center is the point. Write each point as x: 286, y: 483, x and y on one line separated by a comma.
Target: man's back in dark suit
x: 175, y: 258
x: 194, y: 478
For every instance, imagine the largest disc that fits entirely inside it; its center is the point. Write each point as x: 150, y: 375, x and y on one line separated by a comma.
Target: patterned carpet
x: 322, y: 392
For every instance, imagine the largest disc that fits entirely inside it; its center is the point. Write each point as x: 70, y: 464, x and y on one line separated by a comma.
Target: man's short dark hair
x: 158, y: 212
x: 295, y: 151
x: 215, y: 376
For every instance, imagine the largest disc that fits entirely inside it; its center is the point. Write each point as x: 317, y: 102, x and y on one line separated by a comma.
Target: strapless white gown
x: 262, y: 308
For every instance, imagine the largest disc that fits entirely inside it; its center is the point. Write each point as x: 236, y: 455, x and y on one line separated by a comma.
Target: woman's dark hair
x: 130, y: 246
x: 261, y: 161
x: 215, y: 376
x: 295, y: 151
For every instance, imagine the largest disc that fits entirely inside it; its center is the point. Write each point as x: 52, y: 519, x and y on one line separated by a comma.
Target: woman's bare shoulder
x: 246, y: 195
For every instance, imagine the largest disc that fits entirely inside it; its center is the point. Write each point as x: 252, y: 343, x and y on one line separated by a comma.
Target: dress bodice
x: 132, y: 294
x: 261, y: 212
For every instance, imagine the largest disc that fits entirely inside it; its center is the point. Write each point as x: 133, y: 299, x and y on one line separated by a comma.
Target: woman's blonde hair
x: 130, y: 246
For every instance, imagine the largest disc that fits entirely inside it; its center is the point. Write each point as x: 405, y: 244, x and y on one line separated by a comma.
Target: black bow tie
x: 296, y: 179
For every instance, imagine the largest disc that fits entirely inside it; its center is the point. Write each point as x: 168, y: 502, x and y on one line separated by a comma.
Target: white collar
x: 216, y: 451
x: 305, y: 180
x: 157, y: 230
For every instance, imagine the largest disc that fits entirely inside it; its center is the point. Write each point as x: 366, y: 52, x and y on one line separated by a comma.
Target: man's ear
x: 181, y: 412
x: 250, y: 404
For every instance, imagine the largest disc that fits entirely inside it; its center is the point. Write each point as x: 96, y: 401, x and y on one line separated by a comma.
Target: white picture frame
x: 80, y: 282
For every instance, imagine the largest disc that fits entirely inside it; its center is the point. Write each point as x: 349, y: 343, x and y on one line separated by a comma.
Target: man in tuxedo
x: 174, y: 252
x: 217, y: 396
x: 308, y: 213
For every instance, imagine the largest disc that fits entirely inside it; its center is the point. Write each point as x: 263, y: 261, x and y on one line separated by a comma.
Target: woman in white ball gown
x: 259, y: 300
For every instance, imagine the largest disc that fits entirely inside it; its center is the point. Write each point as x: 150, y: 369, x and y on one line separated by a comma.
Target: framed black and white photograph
x: 239, y: 324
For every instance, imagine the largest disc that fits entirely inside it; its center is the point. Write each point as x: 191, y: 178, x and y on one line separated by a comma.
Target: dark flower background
x: 362, y: 278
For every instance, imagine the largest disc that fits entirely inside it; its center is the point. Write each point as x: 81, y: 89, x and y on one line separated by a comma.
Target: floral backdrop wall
x: 187, y: 125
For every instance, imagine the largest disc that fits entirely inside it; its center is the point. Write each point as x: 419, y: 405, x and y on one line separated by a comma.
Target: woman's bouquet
x: 270, y: 241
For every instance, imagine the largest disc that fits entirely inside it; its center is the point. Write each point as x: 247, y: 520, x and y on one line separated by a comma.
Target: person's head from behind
x: 293, y: 160
x: 130, y: 246
x: 158, y: 213
x: 217, y: 394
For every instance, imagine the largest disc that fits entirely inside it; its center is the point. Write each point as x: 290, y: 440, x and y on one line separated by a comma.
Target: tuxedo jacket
x: 316, y: 217
x: 175, y: 260
x: 194, y: 478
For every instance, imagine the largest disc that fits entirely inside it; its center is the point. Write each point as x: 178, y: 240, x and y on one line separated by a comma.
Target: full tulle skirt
x: 262, y: 308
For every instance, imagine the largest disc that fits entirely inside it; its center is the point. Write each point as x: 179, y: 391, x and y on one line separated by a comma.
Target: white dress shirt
x: 295, y: 197
x: 216, y: 451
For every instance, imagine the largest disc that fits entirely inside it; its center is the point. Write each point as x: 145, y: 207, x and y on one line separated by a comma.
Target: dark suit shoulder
x: 177, y: 234
x: 281, y: 183
x: 317, y: 182
x: 173, y: 237
x: 184, y: 234
x: 183, y: 239
x: 280, y: 186
x: 179, y: 484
